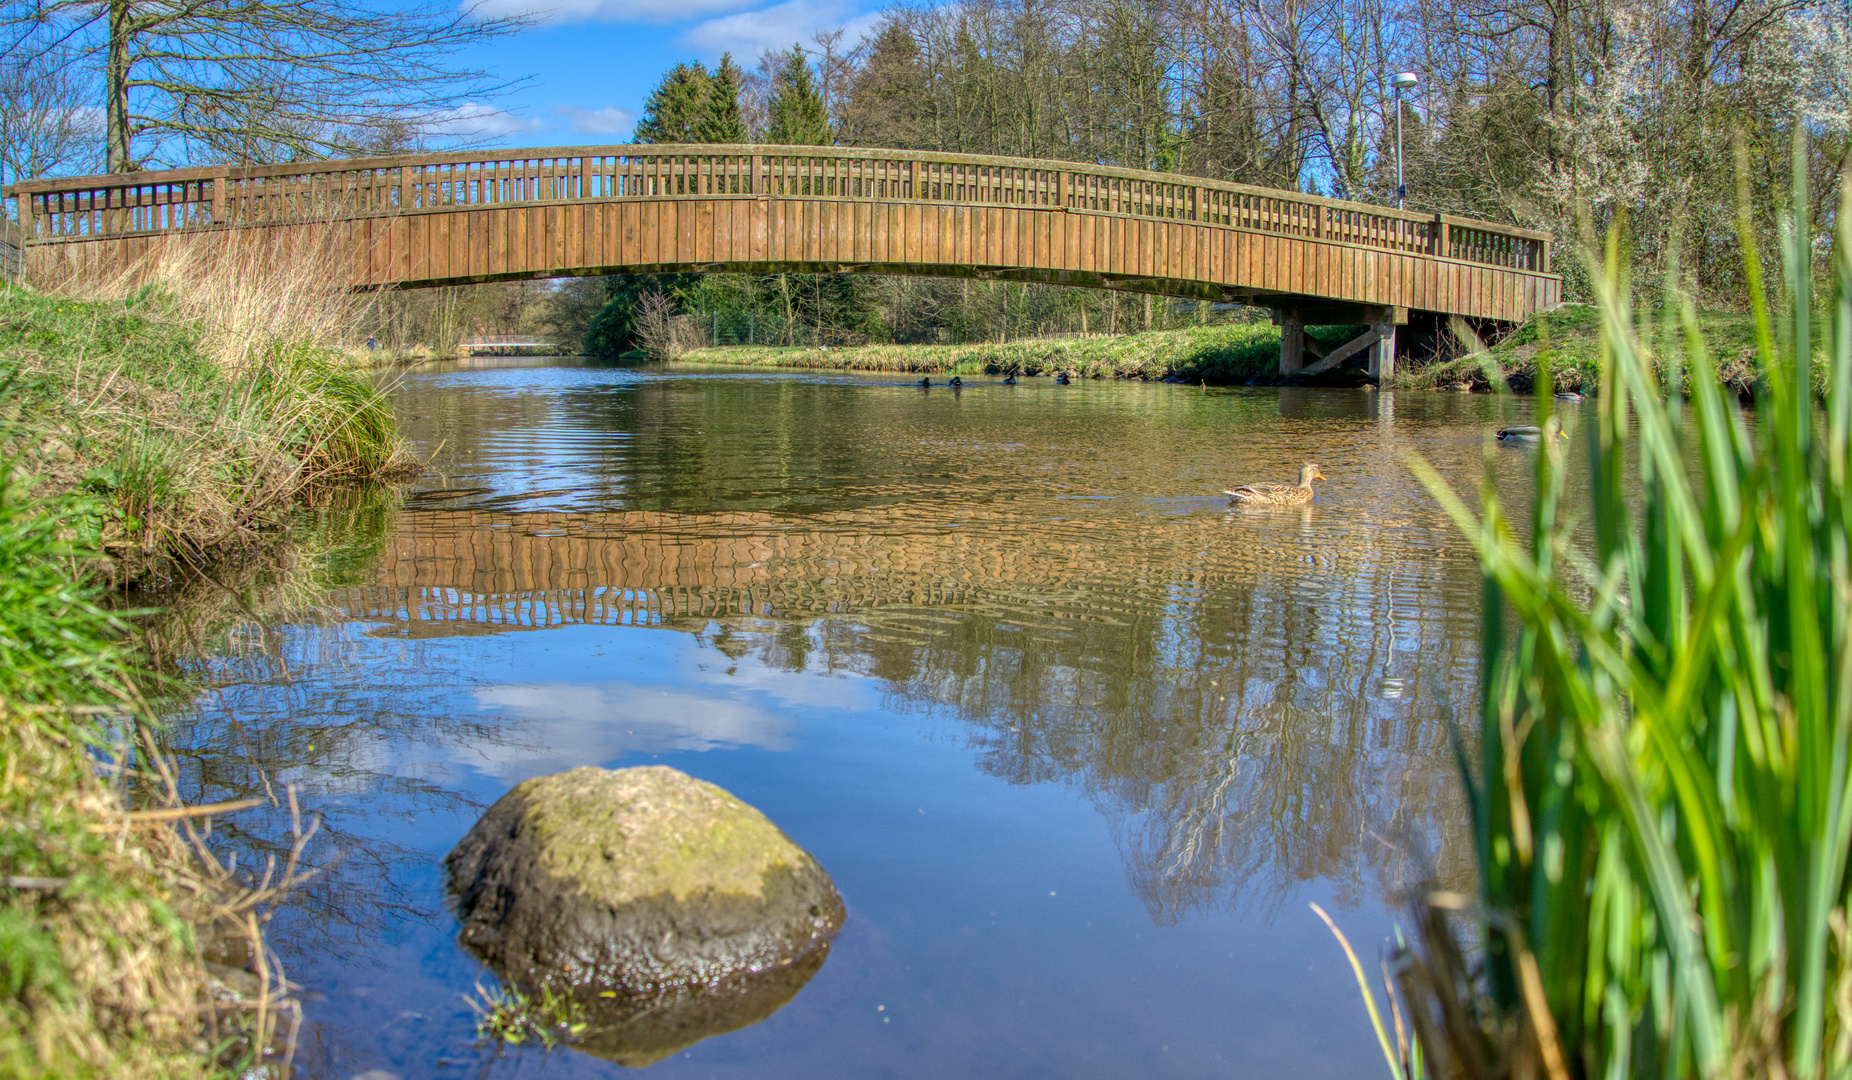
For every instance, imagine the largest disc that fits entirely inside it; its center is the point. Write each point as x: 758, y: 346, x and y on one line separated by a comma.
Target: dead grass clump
x: 246, y: 292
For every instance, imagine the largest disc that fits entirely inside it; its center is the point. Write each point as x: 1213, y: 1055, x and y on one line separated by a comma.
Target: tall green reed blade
x: 1663, y: 803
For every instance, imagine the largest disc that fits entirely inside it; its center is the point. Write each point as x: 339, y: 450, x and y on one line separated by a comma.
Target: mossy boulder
x: 638, y: 881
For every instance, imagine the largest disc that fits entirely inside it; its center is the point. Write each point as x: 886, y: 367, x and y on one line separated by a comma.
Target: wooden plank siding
x: 484, y: 216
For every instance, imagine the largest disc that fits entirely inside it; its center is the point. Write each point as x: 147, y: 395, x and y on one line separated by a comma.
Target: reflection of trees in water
x: 1274, y: 728
x: 266, y: 720
x: 248, y: 645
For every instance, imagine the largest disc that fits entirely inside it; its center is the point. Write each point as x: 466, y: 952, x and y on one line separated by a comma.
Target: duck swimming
x: 957, y: 382
x: 1061, y: 378
x: 1009, y: 380
x: 924, y: 382
x: 1528, y: 433
x: 1572, y: 395
x: 1277, y: 494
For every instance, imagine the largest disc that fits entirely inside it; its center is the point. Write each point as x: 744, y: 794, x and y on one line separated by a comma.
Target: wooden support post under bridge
x: 1377, y: 342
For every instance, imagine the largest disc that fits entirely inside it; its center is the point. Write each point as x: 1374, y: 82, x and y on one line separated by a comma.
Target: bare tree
x: 255, y: 81
x: 46, y: 127
x: 662, y: 333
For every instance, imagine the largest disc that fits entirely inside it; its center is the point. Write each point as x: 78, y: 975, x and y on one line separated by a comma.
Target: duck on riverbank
x: 1277, y: 494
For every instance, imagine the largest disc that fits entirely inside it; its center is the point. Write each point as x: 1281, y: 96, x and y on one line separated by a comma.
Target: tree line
x: 1544, y: 113
x: 1565, y: 115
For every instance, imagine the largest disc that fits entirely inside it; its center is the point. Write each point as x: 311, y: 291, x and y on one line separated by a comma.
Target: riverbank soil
x: 1236, y: 353
x: 130, y: 445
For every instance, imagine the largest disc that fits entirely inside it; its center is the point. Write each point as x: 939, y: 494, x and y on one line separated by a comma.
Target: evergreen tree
x: 721, y: 121
x: 795, y: 114
x: 676, y: 108
x: 612, y: 331
x: 888, y: 95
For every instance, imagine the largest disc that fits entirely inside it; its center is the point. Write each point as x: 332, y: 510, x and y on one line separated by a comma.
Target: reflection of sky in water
x: 568, y: 724
x: 1076, y: 764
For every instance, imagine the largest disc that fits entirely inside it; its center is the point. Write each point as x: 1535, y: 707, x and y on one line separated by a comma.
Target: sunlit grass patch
x: 101, y: 921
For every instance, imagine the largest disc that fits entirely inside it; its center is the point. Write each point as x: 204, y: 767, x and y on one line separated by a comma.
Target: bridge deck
x: 439, y: 219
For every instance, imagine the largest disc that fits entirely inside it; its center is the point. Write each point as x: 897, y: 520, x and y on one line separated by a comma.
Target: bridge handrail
x: 152, y: 202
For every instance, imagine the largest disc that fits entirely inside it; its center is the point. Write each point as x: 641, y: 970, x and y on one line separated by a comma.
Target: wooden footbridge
x: 451, y: 218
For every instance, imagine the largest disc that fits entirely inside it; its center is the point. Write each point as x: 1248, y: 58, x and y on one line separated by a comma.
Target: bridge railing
x: 141, y: 203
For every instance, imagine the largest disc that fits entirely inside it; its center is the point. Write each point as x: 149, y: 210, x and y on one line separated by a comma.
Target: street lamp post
x: 1401, y: 80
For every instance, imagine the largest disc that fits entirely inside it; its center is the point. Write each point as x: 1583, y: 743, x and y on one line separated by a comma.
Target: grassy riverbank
x: 1569, y: 341
x: 140, y: 432
x: 184, y: 449
x: 1217, y: 354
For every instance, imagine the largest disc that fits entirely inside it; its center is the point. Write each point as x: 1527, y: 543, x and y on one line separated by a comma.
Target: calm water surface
x: 1077, y: 743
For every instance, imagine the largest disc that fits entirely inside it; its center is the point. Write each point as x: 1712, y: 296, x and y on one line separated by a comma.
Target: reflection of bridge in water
x: 434, y: 219
x: 644, y: 568
x: 1264, y: 752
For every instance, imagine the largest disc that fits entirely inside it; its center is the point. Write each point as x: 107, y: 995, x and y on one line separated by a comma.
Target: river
x: 1078, y: 743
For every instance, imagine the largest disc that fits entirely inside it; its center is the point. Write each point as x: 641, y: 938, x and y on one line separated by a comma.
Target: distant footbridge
x: 477, y: 216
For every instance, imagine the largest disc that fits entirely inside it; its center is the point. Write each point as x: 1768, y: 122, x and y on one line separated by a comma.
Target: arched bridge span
x: 450, y: 218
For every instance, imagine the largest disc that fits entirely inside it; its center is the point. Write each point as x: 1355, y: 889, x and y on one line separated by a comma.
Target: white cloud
x: 475, y: 121
x: 607, y: 121
x: 646, y: 11
x: 746, y: 34
x: 571, y: 724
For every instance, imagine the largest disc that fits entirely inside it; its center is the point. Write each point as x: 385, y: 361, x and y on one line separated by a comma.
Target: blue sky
x: 591, y: 62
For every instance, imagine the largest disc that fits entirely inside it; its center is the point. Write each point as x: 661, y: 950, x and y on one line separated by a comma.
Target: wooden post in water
x: 1382, y: 352
x: 1292, y: 342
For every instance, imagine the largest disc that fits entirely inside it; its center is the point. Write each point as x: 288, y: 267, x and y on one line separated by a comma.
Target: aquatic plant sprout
x: 1660, y: 794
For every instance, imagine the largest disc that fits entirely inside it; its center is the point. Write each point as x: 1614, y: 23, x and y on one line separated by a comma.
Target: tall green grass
x: 1660, y: 795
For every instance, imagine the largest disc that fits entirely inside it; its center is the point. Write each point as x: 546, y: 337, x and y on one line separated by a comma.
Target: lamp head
x: 1404, y: 80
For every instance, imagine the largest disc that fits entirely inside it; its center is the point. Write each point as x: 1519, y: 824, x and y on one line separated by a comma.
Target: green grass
x: 128, y: 437
x: 1567, y: 344
x: 1662, y: 798
x: 96, y: 952
x: 124, y: 400
x: 1233, y: 353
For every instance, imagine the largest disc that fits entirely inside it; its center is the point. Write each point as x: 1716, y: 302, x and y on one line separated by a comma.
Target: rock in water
x: 639, y: 880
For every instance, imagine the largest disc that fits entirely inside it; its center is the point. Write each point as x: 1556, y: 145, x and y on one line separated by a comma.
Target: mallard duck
x: 1528, y: 433
x: 924, y: 382
x: 957, y: 382
x: 1277, y: 494
x: 1009, y: 380
x: 1572, y: 395
x: 1061, y: 379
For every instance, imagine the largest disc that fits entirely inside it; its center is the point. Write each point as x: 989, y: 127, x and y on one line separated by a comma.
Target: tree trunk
x: 116, y: 85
